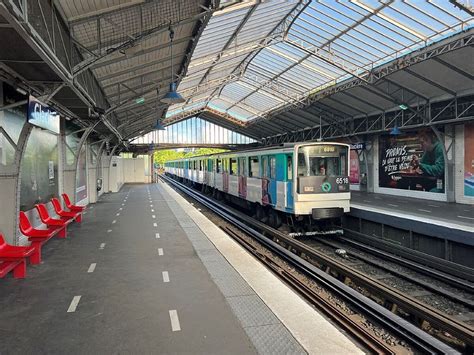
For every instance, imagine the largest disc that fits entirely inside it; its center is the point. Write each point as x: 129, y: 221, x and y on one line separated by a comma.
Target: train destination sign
x: 42, y: 115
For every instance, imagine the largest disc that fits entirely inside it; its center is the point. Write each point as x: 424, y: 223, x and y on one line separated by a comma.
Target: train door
x: 243, y: 177
x: 269, y: 186
x: 225, y: 175
x: 289, y: 180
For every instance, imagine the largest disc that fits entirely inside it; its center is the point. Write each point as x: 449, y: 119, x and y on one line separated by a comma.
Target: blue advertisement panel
x: 42, y: 115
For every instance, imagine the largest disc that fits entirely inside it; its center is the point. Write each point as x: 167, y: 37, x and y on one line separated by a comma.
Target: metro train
x: 300, y: 186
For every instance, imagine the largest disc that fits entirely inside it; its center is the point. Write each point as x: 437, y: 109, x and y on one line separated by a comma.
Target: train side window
x: 289, y: 167
x: 218, y: 165
x: 272, y: 167
x: 233, y: 166
x: 254, y: 170
x: 200, y: 165
x: 264, y: 167
x: 242, y: 166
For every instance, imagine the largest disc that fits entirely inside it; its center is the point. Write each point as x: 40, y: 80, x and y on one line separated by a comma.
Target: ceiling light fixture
x: 395, y: 131
x: 172, y: 96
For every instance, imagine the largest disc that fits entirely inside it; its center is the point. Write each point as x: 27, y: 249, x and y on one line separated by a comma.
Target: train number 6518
x: 342, y: 180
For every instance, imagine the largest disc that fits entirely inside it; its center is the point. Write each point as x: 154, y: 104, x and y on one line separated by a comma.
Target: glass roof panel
x: 328, y: 41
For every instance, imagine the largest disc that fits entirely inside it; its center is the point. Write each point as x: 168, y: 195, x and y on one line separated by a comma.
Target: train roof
x: 283, y: 146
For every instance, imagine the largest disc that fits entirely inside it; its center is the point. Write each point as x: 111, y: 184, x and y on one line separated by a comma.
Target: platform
x: 453, y: 220
x: 139, y: 276
x: 455, y: 215
x: 442, y: 230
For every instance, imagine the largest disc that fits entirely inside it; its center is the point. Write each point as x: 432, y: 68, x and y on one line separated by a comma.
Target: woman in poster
x: 432, y: 160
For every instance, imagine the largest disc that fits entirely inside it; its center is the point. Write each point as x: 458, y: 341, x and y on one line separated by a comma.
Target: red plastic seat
x: 36, y: 236
x: 70, y: 206
x: 62, y: 213
x: 49, y: 221
x: 14, y: 258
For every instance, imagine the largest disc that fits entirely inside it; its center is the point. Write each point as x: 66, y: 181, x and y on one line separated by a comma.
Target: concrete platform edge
x: 315, y: 333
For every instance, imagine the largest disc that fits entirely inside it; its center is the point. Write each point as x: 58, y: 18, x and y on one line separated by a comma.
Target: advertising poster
x: 412, y: 161
x: 469, y: 160
x: 354, y: 171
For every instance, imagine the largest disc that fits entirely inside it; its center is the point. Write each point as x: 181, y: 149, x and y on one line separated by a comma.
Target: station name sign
x: 358, y: 146
x: 42, y: 115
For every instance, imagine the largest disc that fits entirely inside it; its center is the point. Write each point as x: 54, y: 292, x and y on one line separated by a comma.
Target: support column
x: 10, y: 184
x: 68, y: 170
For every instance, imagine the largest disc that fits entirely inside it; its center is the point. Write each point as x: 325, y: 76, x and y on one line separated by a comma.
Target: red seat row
x: 14, y: 257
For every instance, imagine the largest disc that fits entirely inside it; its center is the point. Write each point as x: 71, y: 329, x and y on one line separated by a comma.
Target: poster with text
x: 412, y: 161
x: 469, y: 160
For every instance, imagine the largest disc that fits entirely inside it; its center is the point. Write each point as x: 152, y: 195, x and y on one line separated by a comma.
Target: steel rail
x: 408, y: 264
x: 416, y: 265
x: 395, y: 324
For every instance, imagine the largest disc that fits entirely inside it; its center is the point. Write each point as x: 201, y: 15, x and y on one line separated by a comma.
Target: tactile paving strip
x: 264, y: 329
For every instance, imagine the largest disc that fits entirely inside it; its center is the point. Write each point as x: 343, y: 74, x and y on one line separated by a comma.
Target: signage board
x: 358, y: 146
x: 42, y: 115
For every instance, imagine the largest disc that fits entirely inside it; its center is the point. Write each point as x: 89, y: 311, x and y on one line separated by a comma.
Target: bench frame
x: 18, y: 267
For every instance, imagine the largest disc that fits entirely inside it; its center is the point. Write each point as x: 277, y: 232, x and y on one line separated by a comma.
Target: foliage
x: 162, y: 156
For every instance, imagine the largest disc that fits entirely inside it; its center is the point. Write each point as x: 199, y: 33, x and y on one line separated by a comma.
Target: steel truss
x: 456, y: 110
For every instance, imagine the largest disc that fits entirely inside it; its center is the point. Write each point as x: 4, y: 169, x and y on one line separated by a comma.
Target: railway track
x: 341, y: 282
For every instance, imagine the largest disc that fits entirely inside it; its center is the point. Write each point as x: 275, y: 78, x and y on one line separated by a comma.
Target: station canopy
x: 260, y: 68
x: 255, y: 59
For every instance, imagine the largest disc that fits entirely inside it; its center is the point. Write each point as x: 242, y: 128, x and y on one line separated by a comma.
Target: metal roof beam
x: 134, y: 68
x: 297, y: 117
x: 454, y: 68
x: 231, y: 39
x: 404, y: 87
x: 148, y: 50
x: 363, y: 101
x: 88, y: 63
x: 281, y: 23
x: 458, y: 41
x: 429, y: 81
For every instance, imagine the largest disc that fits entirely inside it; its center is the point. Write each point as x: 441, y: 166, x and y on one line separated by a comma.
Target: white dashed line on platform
x: 118, y: 214
x: 92, y: 267
x: 102, y: 246
x: 160, y: 251
x: 422, y: 210
x: 466, y: 217
x: 152, y: 210
x: 114, y: 221
x: 155, y: 225
x: 367, y: 201
x: 157, y: 235
x: 120, y: 208
x: 74, y: 303
x: 109, y: 230
x: 175, y: 326
x: 392, y: 205
x: 151, y: 205
x: 153, y: 216
x: 166, y: 276
x: 435, y: 206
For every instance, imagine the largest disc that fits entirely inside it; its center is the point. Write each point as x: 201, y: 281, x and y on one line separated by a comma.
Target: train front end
x: 322, y: 190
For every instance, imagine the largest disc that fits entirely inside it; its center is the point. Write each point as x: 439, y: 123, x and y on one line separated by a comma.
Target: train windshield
x: 322, y: 160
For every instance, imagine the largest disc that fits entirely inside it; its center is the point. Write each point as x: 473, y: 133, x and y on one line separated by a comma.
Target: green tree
x: 163, y: 156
